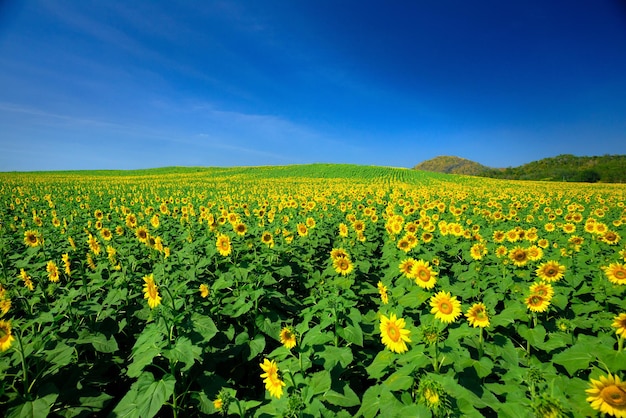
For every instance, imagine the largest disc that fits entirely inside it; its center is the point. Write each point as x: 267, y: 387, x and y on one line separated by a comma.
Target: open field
x: 314, y: 290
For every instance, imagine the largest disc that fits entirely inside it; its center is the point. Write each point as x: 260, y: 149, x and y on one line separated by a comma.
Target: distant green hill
x: 452, y: 165
x: 565, y: 167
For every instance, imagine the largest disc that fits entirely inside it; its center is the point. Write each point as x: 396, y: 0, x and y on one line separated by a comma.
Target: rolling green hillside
x: 565, y: 167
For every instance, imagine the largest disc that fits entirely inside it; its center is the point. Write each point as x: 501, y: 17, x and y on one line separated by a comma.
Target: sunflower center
x: 445, y: 307
x: 520, y: 256
x: 620, y: 274
x: 393, y: 332
x: 423, y: 275
x: 536, y: 300
x: 613, y: 395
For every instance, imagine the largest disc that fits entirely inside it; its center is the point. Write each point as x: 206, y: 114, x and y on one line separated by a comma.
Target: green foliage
x: 566, y: 167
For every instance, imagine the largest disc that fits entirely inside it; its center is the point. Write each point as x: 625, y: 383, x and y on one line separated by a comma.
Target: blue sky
x: 151, y: 83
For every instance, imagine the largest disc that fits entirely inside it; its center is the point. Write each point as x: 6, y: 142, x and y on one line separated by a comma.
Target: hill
x: 452, y: 165
x: 565, y: 167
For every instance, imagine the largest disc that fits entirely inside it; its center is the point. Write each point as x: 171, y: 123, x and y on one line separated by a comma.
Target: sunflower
x: 478, y: 251
x: 427, y: 237
x: 310, y: 222
x: 382, y: 289
x: 218, y: 404
x: 445, y: 307
x: 546, y: 406
x: 501, y: 251
x: 404, y: 245
x: 336, y: 253
x: 131, y: 221
x: 223, y: 245
x: 534, y: 253
x: 151, y: 291
x: 142, y: 234
x: 512, y: 235
x: 477, y: 315
x: 240, y: 229
x: 544, y: 290
x: 498, y: 236
x: 272, y: 382
x: 599, y: 228
x: 610, y: 237
x: 267, y: 239
x: 53, y: 271
x: 32, y: 238
x: 106, y: 234
x: 204, y: 290
x: 543, y: 243
x: 288, y: 338
x: 619, y: 323
x: 608, y: 395
x: 393, y: 334
x: 343, y: 266
x: 5, y: 335
x: 616, y: 273
x: 343, y: 230
x: 5, y: 306
x: 518, y: 256
x: 550, y: 271
x: 433, y: 395
x: 537, y: 303
x: 424, y: 276
x: 94, y: 245
x: 28, y: 283
x: 302, y: 230
x: 359, y: 226
x: 406, y: 267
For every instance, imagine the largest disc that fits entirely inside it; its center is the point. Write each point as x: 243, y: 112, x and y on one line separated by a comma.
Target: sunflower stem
x: 23, y: 360
x: 620, y: 343
x: 436, y: 358
x: 480, y: 344
x: 174, y: 397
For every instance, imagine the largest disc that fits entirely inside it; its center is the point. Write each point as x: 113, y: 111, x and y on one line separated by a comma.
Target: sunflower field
x: 310, y: 291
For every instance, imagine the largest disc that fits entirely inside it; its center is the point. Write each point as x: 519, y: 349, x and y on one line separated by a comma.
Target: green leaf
x: 145, y: 397
x: 148, y: 345
x: 370, y: 405
x: 508, y: 316
x: 318, y: 383
x: 268, y: 326
x: 483, y: 367
x: 398, y: 381
x: 257, y: 345
x: 346, y: 399
x: 40, y: 407
x: 204, y: 326
x: 352, y: 334
x: 575, y: 358
x: 333, y: 355
x: 535, y: 336
x: 184, y: 351
x: 102, y: 344
x: 380, y: 363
